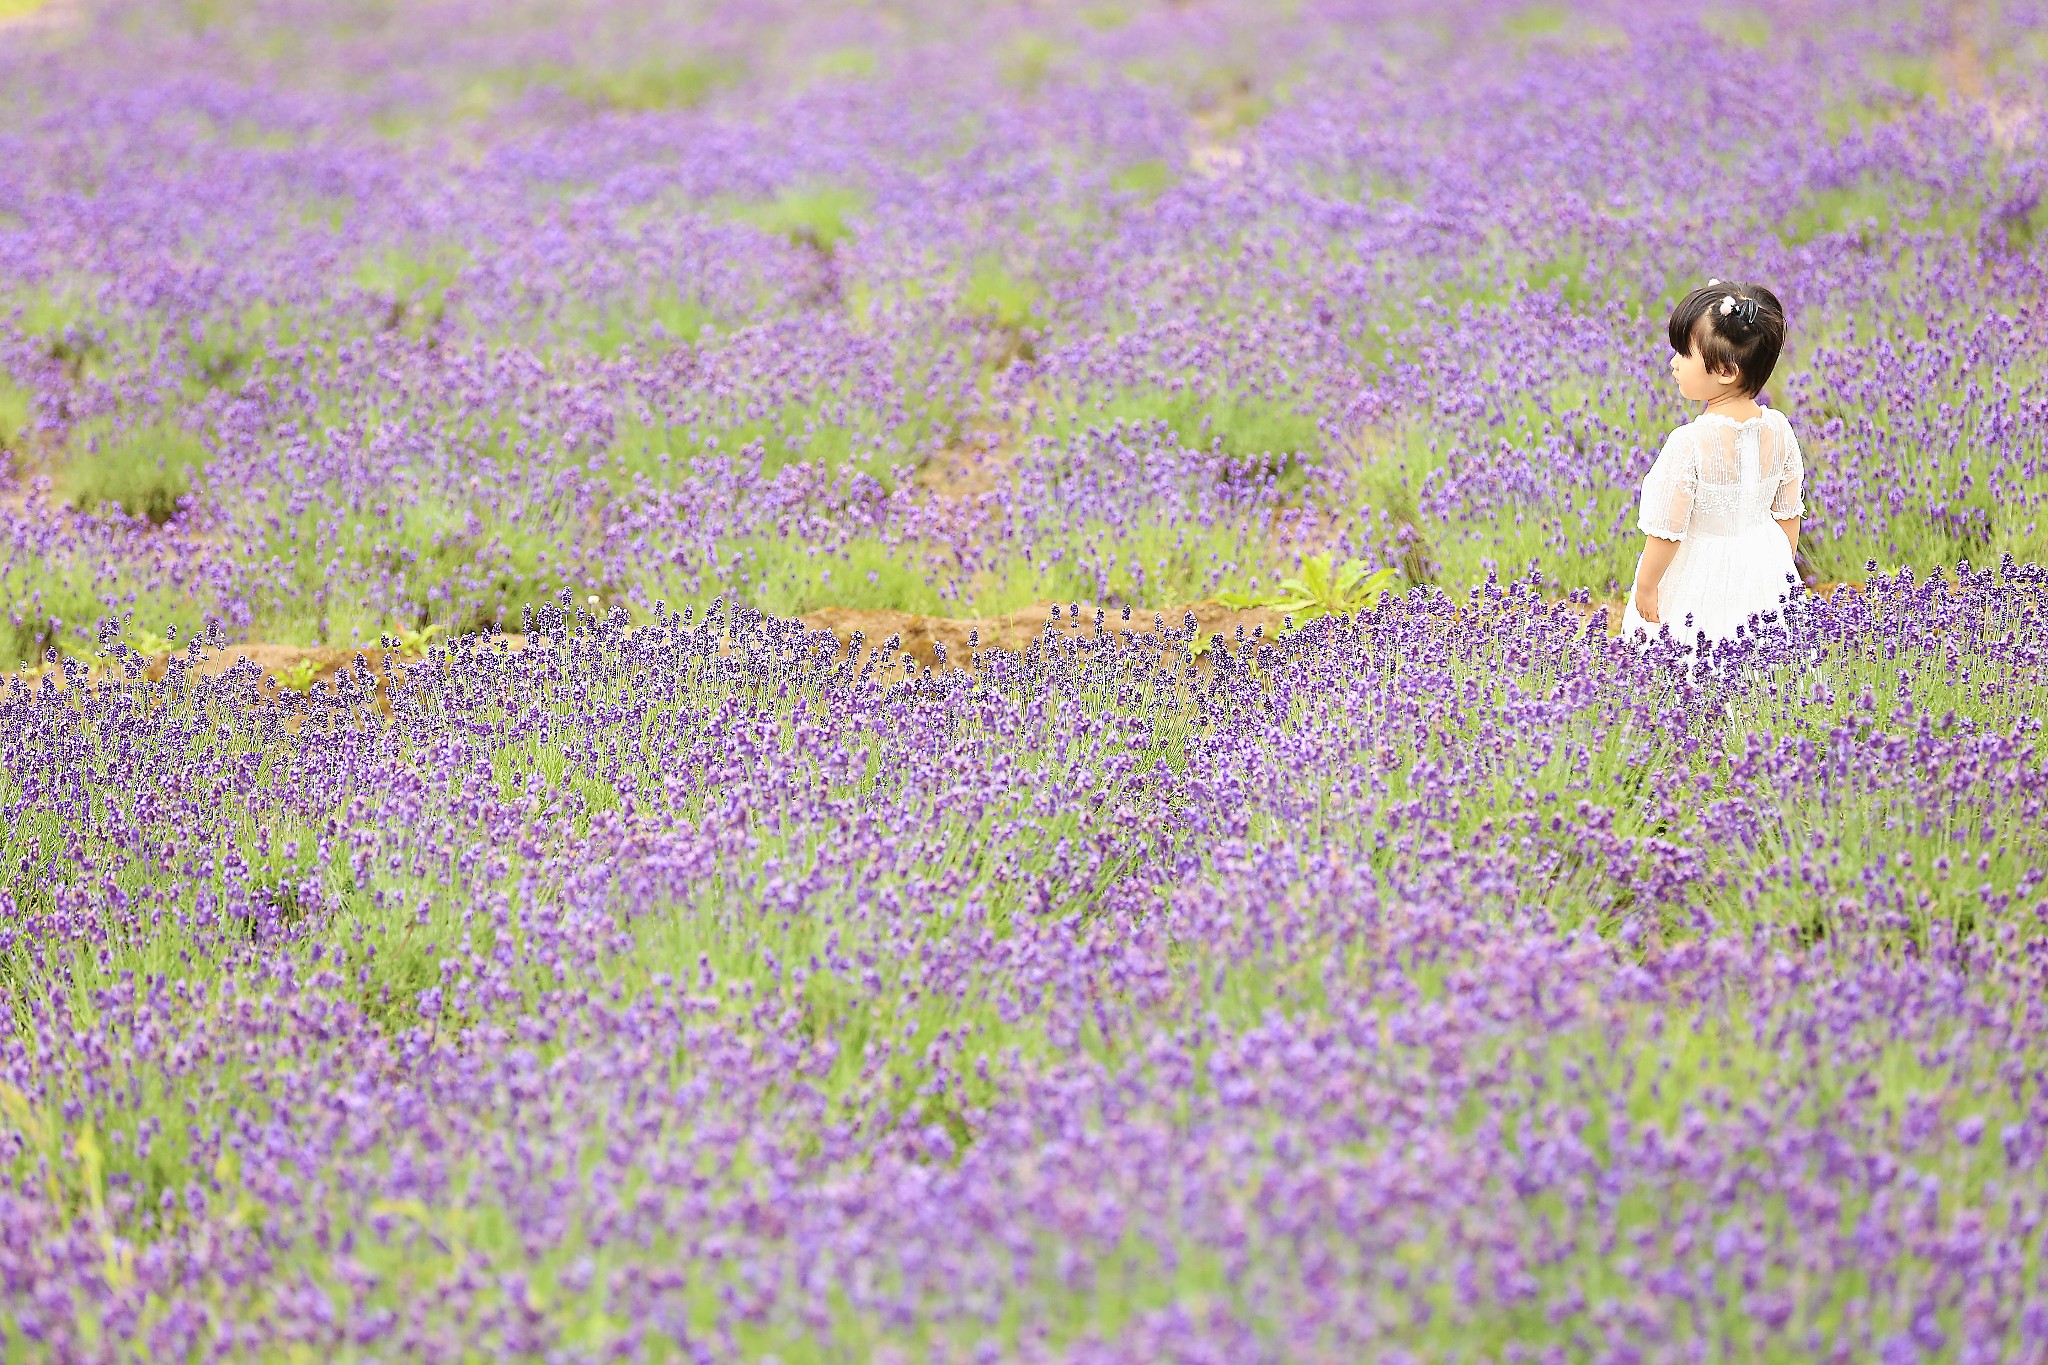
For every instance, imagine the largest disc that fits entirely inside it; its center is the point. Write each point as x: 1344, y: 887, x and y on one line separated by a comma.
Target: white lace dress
x: 1719, y: 488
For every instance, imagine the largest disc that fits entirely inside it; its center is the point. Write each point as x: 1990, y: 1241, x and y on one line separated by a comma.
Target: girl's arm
x: 1788, y: 506
x: 1657, y: 556
x: 1666, y: 516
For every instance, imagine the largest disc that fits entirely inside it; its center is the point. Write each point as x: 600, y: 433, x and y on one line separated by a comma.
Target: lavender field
x: 549, y: 942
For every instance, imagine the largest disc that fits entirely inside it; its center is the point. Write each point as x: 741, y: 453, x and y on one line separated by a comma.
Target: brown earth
x: 976, y: 464
x: 918, y: 636
x: 1016, y: 631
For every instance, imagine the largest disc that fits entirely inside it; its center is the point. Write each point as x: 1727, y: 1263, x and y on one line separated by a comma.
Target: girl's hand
x: 1657, y: 556
x: 1646, y: 603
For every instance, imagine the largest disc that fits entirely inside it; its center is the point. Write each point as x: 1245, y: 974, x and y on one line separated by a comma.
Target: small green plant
x: 1321, y: 590
x: 147, y: 643
x: 415, y: 643
x: 298, y: 677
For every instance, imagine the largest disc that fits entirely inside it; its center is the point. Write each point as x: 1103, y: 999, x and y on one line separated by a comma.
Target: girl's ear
x: 1731, y: 375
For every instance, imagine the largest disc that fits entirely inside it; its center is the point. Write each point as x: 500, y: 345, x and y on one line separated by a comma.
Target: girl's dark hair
x: 1745, y: 338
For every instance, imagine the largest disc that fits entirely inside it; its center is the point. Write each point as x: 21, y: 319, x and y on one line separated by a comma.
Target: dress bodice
x: 1720, y: 477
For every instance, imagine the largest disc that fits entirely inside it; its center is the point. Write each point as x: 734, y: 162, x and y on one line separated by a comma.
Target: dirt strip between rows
x: 919, y: 637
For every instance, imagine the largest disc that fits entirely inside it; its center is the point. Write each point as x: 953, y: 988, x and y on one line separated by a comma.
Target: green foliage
x: 1558, y: 25
x: 1321, y: 589
x: 652, y: 85
x: 1894, y: 84
x: 46, y: 618
x: 1272, y: 433
x: 788, y: 577
x: 414, y: 642
x: 54, y: 601
x: 65, y: 320
x: 650, y: 321
x: 413, y: 282
x: 144, y: 470
x: 221, y: 351
x: 298, y: 676
x: 2023, y: 229
x: 809, y: 215
x: 1156, y: 563
x: 1001, y: 295
x: 204, y: 16
x: 1536, y: 21
x: 1862, y: 207
x: 847, y: 63
x: 1145, y: 179
x: 16, y: 410
x: 1917, y: 76
x: 1029, y: 60
x: 828, y: 430
x: 429, y: 558
x: 1585, y: 540
x: 144, y: 641
x: 1740, y: 27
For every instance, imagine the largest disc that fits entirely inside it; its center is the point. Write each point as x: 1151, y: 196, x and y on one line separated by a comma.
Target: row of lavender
x: 1454, y: 982
x: 325, y: 319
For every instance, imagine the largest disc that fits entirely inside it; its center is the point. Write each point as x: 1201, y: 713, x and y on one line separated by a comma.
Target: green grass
x: 1574, y: 544
x: 1028, y: 60
x: 647, y: 322
x: 54, y: 601
x: 1156, y: 562
x: 790, y: 578
x: 819, y: 216
x: 657, y: 84
x: 1268, y: 434
x: 1536, y: 21
x: 1153, y: 563
x: 1878, y: 207
x: 996, y: 292
x: 847, y: 64
x: 145, y: 470
x: 412, y: 281
x: 1740, y: 26
x: 16, y: 409
x: 1146, y: 180
x: 830, y: 429
x: 424, y: 561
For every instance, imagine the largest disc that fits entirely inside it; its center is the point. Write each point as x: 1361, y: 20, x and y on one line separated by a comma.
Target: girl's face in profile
x: 1696, y: 381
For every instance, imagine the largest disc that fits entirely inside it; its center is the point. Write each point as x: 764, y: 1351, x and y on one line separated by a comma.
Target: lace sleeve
x: 1669, y: 487
x: 1790, y: 501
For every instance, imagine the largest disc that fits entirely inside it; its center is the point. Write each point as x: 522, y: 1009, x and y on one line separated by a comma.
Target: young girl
x: 1721, y: 506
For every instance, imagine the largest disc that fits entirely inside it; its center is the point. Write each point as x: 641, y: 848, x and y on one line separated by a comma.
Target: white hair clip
x: 1727, y: 304
x: 1713, y: 282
